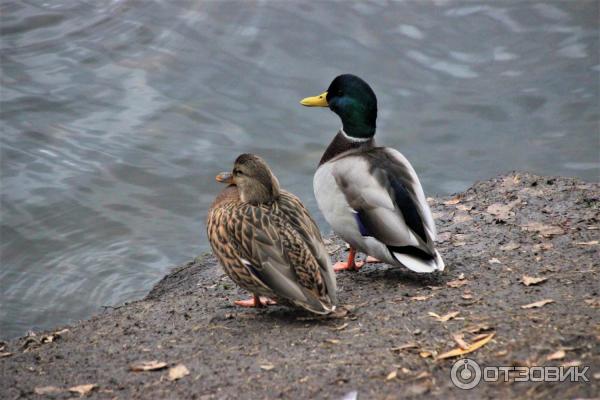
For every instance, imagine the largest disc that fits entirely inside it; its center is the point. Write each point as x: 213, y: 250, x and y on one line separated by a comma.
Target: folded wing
x: 280, y: 258
x: 386, y: 196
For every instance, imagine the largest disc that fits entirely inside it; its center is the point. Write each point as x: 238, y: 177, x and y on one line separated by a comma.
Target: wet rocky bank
x: 520, y: 289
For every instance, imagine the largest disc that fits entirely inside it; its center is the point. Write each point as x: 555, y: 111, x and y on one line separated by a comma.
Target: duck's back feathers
x: 384, y: 192
x: 302, y: 222
x: 273, y: 250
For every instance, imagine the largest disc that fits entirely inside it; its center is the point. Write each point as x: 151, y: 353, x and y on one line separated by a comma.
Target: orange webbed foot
x: 351, y: 264
x: 255, y: 302
x: 345, y: 266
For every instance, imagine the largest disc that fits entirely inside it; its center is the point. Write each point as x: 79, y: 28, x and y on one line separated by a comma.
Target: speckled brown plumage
x: 272, y: 248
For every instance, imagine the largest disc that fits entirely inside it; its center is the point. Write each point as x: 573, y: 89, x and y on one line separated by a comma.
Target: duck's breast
x: 333, y: 205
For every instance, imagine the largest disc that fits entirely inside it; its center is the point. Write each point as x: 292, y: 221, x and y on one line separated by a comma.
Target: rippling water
x: 116, y: 115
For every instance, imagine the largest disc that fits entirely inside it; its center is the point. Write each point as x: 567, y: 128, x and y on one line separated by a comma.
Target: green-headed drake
x: 267, y: 242
x: 371, y: 196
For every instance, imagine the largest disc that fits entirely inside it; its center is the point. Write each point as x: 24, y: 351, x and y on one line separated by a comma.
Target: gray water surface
x: 116, y: 115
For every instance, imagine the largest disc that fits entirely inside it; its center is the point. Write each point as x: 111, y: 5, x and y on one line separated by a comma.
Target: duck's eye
x: 237, y: 172
x: 339, y: 93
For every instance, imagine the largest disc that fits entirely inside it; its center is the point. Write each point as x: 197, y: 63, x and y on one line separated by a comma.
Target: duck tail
x: 315, y: 305
x: 420, y: 265
x: 324, y: 310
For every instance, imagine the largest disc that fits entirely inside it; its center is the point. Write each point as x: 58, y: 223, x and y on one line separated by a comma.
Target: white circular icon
x: 465, y: 374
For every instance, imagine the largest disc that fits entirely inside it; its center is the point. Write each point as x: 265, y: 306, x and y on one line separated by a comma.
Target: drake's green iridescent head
x: 354, y: 101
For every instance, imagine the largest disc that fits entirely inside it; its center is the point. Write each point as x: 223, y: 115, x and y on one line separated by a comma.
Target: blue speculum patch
x: 361, y: 226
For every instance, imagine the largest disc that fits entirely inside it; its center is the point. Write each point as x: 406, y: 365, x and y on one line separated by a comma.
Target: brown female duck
x: 267, y: 242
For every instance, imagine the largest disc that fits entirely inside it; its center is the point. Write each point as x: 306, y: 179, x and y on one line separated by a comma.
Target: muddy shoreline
x: 394, y: 326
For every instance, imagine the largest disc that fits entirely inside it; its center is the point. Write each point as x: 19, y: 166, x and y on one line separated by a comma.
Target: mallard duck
x: 371, y: 196
x: 267, y: 242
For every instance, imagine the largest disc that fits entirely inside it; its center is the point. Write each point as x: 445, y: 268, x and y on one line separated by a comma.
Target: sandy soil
x: 384, y: 343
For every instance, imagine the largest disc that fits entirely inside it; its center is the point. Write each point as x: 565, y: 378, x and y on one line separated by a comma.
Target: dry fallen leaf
x: 406, y: 346
x: 461, y: 237
x: 501, y: 211
x: 590, y: 243
x: 178, y: 372
x: 458, y: 338
x: 594, y: 303
x: 420, y: 298
x: 445, y: 317
x: 332, y: 341
x: 457, y: 283
x: 443, y: 237
x: 83, y: 389
x: 542, y: 229
x: 148, y: 366
x: 341, y: 327
x: 55, y: 335
x: 542, y: 247
x: 461, y: 217
x: 455, y: 200
x: 461, y: 276
x: 340, y: 312
x: 423, y: 374
x: 354, y: 307
x: 47, y: 390
x: 5, y: 354
x: 467, y: 296
x: 472, y: 347
x: 573, y: 363
x: 47, y: 339
x: 267, y: 367
x: 437, y: 215
x: 479, y: 337
x: 494, y: 261
x: 530, y: 280
x: 510, y: 246
x: 463, y: 207
x: 538, y: 304
x: 557, y: 355
x: 391, y: 375
x: 477, y: 328
x: 425, y: 354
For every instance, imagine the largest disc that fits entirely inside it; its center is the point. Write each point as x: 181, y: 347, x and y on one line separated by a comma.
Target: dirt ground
x: 384, y: 343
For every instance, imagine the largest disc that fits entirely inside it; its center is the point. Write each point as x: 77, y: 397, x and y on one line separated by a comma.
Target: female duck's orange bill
x: 225, y: 177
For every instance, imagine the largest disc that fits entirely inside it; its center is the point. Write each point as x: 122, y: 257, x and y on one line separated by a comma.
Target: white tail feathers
x: 418, y: 264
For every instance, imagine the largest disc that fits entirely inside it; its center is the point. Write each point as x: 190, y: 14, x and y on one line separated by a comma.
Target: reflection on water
x: 116, y: 115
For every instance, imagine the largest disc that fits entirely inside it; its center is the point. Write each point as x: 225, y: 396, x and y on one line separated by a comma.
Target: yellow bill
x: 315, y: 101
